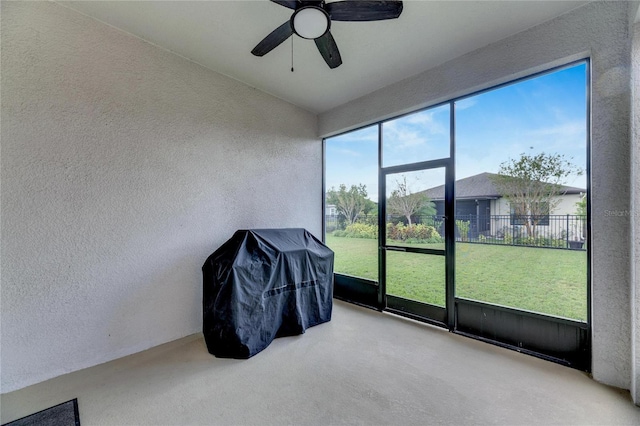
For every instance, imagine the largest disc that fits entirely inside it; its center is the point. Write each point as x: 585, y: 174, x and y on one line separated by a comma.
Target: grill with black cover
x: 262, y: 284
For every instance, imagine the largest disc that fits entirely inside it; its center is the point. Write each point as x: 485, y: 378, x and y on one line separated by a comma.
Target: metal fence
x: 331, y: 222
x: 552, y: 231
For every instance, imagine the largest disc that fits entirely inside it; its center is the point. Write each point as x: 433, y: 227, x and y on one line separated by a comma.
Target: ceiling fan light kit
x: 311, y: 20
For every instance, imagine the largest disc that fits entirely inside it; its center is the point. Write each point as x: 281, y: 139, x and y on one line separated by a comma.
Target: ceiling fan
x: 312, y: 20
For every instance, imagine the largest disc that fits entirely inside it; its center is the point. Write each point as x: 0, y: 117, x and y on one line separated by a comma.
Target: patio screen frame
x: 561, y: 340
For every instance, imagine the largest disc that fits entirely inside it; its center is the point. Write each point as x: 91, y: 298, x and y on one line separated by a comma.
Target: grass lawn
x: 543, y: 280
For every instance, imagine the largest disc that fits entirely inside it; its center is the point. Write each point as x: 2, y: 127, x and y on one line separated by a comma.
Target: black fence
x: 331, y: 222
x: 551, y: 231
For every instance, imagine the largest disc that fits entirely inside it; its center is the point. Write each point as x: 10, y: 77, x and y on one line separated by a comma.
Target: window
x: 526, y: 144
x: 537, y: 213
x: 533, y: 131
x: 540, y: 213
x: 420, y: 136
x: 351, y: 209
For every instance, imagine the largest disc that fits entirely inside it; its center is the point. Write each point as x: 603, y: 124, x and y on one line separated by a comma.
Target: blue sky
x: 543, y: 114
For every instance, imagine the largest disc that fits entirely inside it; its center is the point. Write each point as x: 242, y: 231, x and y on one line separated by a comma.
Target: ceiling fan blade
x: 363, y: 10
x: 329, y: 50
x: 274, y: 39
x: 291, y: 4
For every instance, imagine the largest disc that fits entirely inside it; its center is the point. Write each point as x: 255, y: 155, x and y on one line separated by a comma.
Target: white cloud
x: 429, y: 121
x: 347, y: 152
x: 416, y: 130
x: 568, y: 129
x: 402, y: 138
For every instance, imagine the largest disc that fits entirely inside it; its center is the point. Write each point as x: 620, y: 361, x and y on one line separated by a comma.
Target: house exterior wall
x: 600, y: 31
x: 123, y: 167
x: 566, y: 206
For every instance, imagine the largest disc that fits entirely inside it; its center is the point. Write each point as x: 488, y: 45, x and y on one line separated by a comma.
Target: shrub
x: 508, y: 238
x: 463, y: 228
x: 419, y: 233
x: 540, y: 242
x: 369, y: 219
x: 394, y: 231
x: 361, y: 230
x: 358, y: 230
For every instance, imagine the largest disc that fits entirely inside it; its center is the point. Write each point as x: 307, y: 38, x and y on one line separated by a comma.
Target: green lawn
x: 543, y: 280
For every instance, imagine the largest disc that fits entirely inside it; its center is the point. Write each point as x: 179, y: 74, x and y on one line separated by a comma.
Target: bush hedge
x: 358, y: 230
x: 399, y: 232
x: 413, y: 233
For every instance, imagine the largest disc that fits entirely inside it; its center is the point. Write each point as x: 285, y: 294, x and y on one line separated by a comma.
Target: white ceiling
x: 221, y: 34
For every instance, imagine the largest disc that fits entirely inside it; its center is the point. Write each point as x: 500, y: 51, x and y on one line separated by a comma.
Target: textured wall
x: 599, y: 30
x: 635, y: 212
x: 123, y: 167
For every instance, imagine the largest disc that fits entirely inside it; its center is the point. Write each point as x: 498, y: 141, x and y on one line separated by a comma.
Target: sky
x: 542, y: 114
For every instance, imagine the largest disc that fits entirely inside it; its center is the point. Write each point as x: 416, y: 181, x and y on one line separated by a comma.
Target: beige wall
x: 566, y: 205
x: 123, y: 167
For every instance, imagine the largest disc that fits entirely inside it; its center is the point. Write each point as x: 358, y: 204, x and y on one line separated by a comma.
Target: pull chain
x: 292, y: 54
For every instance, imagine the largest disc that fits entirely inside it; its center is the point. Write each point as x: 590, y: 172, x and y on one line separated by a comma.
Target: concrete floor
x: 364, y: 367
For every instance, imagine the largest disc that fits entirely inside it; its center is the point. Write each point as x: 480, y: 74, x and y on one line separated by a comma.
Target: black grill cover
x: 262, y: 284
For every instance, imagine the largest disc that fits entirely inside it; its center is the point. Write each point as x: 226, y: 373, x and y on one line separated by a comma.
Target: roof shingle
x: 481, y: 187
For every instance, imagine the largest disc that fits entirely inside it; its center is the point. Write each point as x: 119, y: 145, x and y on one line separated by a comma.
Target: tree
x: 349, y: 203
x: 370, y: 212
x: 581, y: 206
x: 581, y: 221
x: 532, y: 185
x: 403, y: 202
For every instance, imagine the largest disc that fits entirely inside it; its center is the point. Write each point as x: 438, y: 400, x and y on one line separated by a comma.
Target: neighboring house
x: 330, y: 210
x: 478, y: 200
